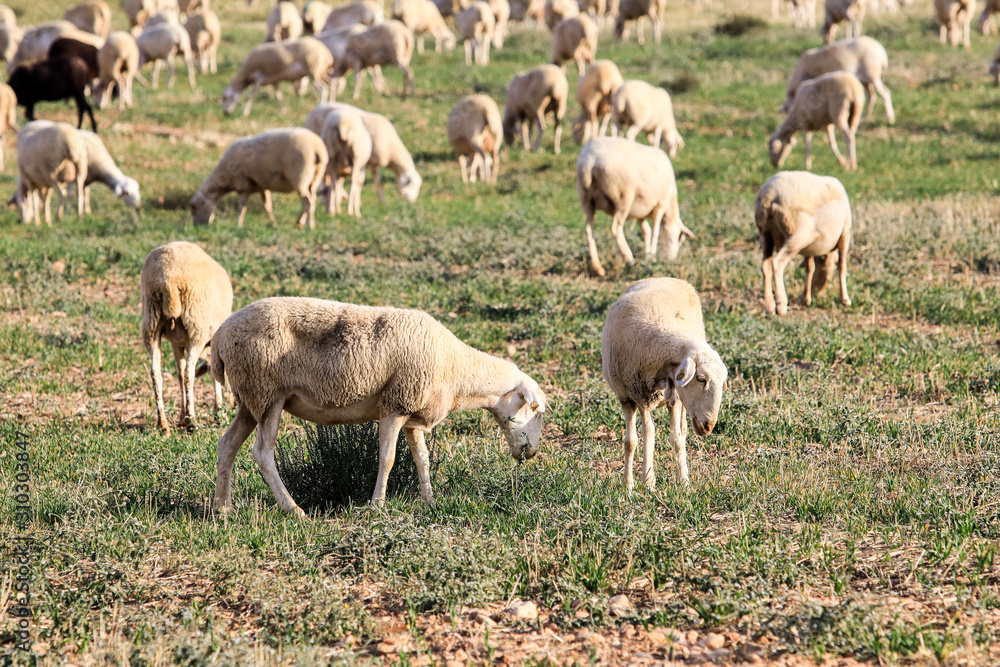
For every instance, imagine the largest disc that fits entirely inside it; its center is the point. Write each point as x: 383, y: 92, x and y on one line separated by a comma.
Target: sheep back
x: 280, y: 160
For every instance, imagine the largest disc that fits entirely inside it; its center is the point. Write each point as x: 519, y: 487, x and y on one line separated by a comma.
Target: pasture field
x: 846, y: 508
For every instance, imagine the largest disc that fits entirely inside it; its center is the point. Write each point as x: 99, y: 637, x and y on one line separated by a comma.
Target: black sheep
x: 51, y: 80
x: 64, y: 47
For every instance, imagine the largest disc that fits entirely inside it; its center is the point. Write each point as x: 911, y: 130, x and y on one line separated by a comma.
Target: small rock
x: 692, y: 637
x: 58, y: 267
x: 583, y: 635
x: 713, y: 641
x: 581, y: 613
x: 482, y: 617
x: 522, y: 611
x: 628, y: 631
x: 719, y: 655
x: 657, y: 637
x: 752, y: 653
x: 387, y: 647
x: 620, y: 605
x: 454, y: 663
x: 420, y: 661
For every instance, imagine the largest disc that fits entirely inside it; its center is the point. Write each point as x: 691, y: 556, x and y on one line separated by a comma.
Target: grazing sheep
x: 475, y: 128
x: 799, y: 213
x: 575, y: 38
x: 117, y: 65
x: 637, y: 10
x: 93, y: 16
x: 350, y: 148
x: 335, y: 363
x: 10, y: 40
x: 501, y: 19
x: 423, y: 18
x: 365, y: 13
x: 314, y: 16
x: 838, y: 11
x: 832, y: 100
x: 641, y: 107
x: 803, y: 12
x: 50, y: 81
x: 654, y: 353
x: 67, y: 47
x: 595, y: 91
x: 35, y: 42
x: 862, y: 56
x: 186, y: 296
x: 283, y: 160
x: 955, y: 17
x: 138, y: 12
x: 188, y: 7
x: 205, y: 33
x: 8, y: 114
x: 555, y: 11
x: 284, y: 22
x: 627, y: 180
x: 48, y: 154
x: 450, y: 7
x: 101, y: 168
x: 270, y: 64
x: 475, y: 25
x: 523, y: 10
x: 389, y: 43
x: 986, y: 22
x: 166, y: 16
x: 531, y: 95
x: 596, y: 9
x: 163, y: 42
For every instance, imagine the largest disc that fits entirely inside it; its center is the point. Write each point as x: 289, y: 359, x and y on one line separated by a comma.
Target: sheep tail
x: 217, y: 368
x: 170, y: 301
x: 854, y: 119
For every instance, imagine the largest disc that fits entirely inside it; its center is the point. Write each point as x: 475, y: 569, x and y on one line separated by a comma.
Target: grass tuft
x: 739, y: 25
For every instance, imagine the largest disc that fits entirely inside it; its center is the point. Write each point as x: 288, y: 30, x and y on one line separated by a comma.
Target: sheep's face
x: 698, y: 383
x: 202, y: 210
x: 671, y: 236
x: 675, y: 142
x: 409, y: 186
x: 779, y: 150
x: 520, y: 413
x: 230, y: 98
x: 128, y: 192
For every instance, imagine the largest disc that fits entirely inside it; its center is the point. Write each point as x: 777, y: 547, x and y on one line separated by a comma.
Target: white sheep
x: 164, y: 42
x: 595, y: 92
x: 555, y: 11
x: 838, y: 11
x: 35, y: 42
x: 283, y: 160
x: 986, y: 22
x: 863, y: 56
x: 531, y: 95
x: 48, y: 155
x: 475, y: 129
x: 101, y: 168
x: 350, y: 148
x: 365, y: 13
x: 93, y: 16
x: 188, y: 7
x: 501, y: 19
x: 637, y: 10
x: 171, y: 16
x: 186, y: 296
x: 831, y: 100
x: 271, y: 63
x: 475, y: 25
x: 628, y: 180
x: 955, y: 17
x: 314, y: 16
x: 7, y: 16
x: 284, y: 22
x: 799, y: 213
x: 205, y: 32
x: 118, y: 65
x: 389, y: 43
x: 8, y: 114
x: 423, y: 18
x: 641, y: 107
x: 10, y: 40
x: 335, y: 363
x: 654, y: 353
x: 575, y: 38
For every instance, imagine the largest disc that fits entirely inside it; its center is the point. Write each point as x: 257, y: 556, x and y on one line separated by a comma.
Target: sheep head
x: 409, y: 186
x: 671, y: 235
x: 698, y: 382
x: 230, y: 98
x: 675, y: 142
x: 520, y: 413
x: 779, y: 150
x: 128, y: 192
x: 202, y: 209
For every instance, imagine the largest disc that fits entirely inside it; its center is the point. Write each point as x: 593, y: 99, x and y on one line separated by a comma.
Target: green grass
x: 844, y: 506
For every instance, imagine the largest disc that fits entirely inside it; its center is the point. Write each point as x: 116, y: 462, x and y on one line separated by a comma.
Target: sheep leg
x: 307, y: 217
x: 421, y: 458
x: 807, y: 292
x: 180, y: 358
x: 388, y: 432
x: 461, y: 164
x: 540, y: 129
x: 82, y: 196
x: 767, y: 269
x: 265, y: 195
x: 229, y: 444
x: 242, y: 205
x: 496, y: 162
x: 793, y: 245
x: 654, y: 238
x: 869, y: 100
x: 250, y: 96
x: 278, y: 96
x: 881, y: 89
x: 632, y: 132
x: 156, y: 75
x: 172, y: 69
x: 62, y: 201
x: 128, y: 92
x: 189, y: 61
x: 485, y: 51
x: 831, y: 133
x: 678, y: 436
x: 187, y: 382
x: 420, y: 44
x: 407, y: 79
x: 631, y: 442
x: 618, y: 227
x: 156, y: 373
x: 842, y: 248
x: 639, y: 30
x: 526, y: 135
x: 359, y: 76
x: 604, y: 124
x: 263, y: 454
x: 357, y: 182
x: 595, y: 261
x: 657, y: 29
x: 213, y: 62
x: 649, y: 447
x: 378, y: 183
x: 468, y: 53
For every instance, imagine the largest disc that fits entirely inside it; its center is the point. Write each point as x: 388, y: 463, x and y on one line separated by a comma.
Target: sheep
x: 350, y: 148
x: 205, y: 34
x: 522, y: 10
x: 628, y: 180
x: 799, y: 213
x: 35, y: 42
x: 8, y: 114
x: 101, y: 168
x: 803, y: 12
x: 117, y: 65
x: 837, y: 11
x: 558, y: 10
x: 288, y: 159
x: 986, y: 22
x: 388, y: 150
x: 284, y: 22
x: 862, y: 56
x: 595, y: 91
x: 7, y: 16
x: 10, y: 40
x: 833, y: 99
x: 637, y: 10
x: 653, y: 345
x: 52, y: 80
x: 501, y: 19
x: 531, y: 95
x: 163, y: 42
x: 366, y: 13
x: 450, y: 7
x: 640, y: 107
x: 575, y: 38
x: 337, y: 40
x: 270, y: 64
x: 955, y: 17
x: 335, y: 363
x: 138, y: 12
x: 188, y: 7
x: 475, y: 128
x: 186, y: 296
x: 93, y: 16
x: 67, y: 47
x: 314, y: 16
x: 596, y: 9
x: 48, y: 154
x: 171, y: 16
x: 475, y: 25
x: 423, y: 17
x: 389, y: 43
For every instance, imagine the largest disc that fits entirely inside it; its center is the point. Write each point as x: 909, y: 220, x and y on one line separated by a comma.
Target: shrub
x: 739, y: 25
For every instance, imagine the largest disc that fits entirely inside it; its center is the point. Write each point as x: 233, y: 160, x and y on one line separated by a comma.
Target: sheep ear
x: 685, y: 372
x: 775, y: 146
x: 686, y: 232
x: 119, y: 190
